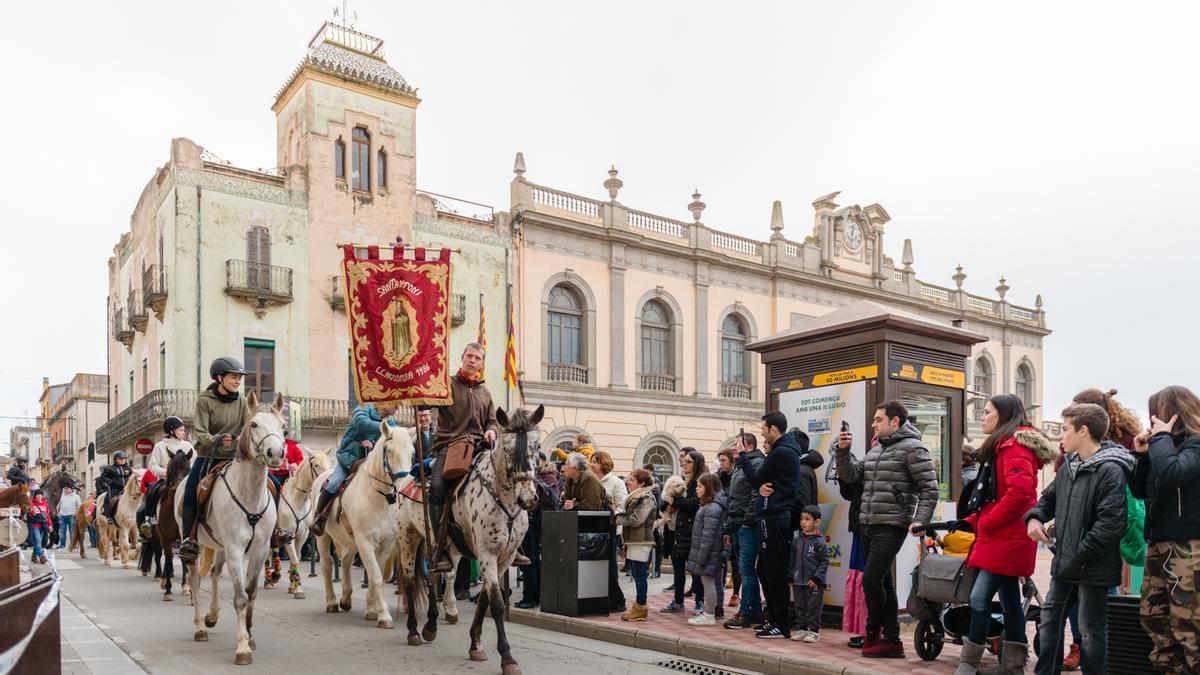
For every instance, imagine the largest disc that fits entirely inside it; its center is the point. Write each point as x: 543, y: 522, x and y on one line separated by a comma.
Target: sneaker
x: 811, y: 636
x: 770, y: 632
x: 669, y: 589
x: 525, y: 604
x: 690, y: 592
x: 1071, y: 660
x: 762, y: 625
x: 144, y: 530
x: 739, y: 620
x: 886, y: 648
x: 855, y: 642
x: 719, y: 612
x: 673, y: 608
x: 698, y: 608
x: 189, y: 550
x: 734, y: 601
x: 702, y: 620
x: 799, y: 636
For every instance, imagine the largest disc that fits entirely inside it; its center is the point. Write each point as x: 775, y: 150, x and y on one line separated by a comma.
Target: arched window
x: 663, y: 461
x: 734, y: 380
x: 258, y: 258
x: 982, y: 380
x: 362, y: 160
x: 658, y: 365
x: 339, y: 159
x: 564, y: 336
x: 1025, y: 385
x: 381, y: 168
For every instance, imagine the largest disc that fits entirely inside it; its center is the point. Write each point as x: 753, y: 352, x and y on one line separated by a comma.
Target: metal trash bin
x: 575, y: 549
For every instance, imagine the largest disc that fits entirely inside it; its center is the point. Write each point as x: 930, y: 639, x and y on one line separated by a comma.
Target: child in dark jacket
x: 707, y: 555
x: 809, y: 563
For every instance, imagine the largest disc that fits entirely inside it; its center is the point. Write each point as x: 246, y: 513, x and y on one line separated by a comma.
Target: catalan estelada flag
x: 510, y: 354
x: 481, y: 336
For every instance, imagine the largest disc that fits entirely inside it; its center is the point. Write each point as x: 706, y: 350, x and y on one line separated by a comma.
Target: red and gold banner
x: 399, y: 313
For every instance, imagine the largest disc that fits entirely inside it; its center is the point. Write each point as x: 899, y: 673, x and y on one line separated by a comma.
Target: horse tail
x: 205, y: 564
x: 415, y: 579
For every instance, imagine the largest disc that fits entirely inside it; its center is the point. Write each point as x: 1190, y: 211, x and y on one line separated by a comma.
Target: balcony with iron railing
x: 255, y: 280
x: 122, y: 331
x: 137, y: 311
x: 154, y: 289
x: 657, y: 382
x: 740, y: 390
x: 567, y: 372
x: 147, y: 414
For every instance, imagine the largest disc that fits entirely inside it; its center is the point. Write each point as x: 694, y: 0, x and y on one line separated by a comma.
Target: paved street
x: 295, y: 634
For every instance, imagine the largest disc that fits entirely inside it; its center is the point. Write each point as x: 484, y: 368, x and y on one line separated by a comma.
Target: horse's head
x: 66, y: 479
x: 262, y: 437
x: 520, y: 441
x: 24, y: 497
x: 133, y: 486
x: 180, y: 465
x: 395, y: 447
x: 315, y: 463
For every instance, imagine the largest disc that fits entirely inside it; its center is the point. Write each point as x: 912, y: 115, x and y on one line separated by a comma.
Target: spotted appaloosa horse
x: 491, y: 508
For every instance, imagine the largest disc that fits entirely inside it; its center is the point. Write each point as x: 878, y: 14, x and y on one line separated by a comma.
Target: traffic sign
x: 144, y: 446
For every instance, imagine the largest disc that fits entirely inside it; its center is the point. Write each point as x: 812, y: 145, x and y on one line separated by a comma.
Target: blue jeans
x: 66, y: 525
x: 336, y: 478
x: 1073, y: 618
x: 640, y: 571
x: 35, y: 536
x: 986, y: 585
x: 1093, y: 625
x: 199, y: 470
x: 745, y: 544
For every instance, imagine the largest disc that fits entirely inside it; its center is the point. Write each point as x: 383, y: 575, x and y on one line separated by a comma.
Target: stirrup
x: 443, y: 563
x: 521, y: 561
x: 189, y: 550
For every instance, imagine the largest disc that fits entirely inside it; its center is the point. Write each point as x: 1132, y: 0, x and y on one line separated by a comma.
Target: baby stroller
x: 942, y: 590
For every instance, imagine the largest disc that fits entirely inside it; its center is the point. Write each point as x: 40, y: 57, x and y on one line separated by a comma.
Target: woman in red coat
x: 1005, y: 490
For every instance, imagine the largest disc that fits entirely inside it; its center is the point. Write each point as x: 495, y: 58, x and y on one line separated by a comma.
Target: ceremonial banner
x: 399, y: 314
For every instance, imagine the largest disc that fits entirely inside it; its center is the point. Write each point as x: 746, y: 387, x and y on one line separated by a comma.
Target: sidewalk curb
x: 644, y: 638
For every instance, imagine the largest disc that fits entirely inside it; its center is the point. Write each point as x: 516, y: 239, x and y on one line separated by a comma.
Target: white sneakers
x: 702, y: 620
x: 806, y: 636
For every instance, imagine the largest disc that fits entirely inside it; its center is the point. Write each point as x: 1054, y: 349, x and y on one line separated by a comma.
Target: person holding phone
x: 1167, y: 476
x: 900, y: 490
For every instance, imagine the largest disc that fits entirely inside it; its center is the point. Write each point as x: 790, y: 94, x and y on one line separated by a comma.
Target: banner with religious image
x: 399, y: 314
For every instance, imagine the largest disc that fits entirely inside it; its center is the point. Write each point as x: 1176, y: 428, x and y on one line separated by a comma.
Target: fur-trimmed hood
x: 1043, y: 448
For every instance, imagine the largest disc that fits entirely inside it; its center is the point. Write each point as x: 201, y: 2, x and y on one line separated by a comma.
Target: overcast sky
x: 1054, y: 143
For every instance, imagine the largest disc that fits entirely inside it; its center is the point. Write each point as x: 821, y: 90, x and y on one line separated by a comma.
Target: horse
x: 491, y: 508
x: 166, y: 531
x: 107, y: 534
x: 53, y: 487
x: 361, y: 522
x: 126, y: 518
x: 17, y: 495
x: 296, y: 512
x: 80, y: 535
x: 240, y: 519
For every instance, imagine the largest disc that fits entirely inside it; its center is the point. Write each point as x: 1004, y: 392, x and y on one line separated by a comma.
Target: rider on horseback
x: 472, y: 415
x: 175, y: 440
x: 112, y: 480
x: 16, y: 472
x: 357, y: 442
x: 220, y: 417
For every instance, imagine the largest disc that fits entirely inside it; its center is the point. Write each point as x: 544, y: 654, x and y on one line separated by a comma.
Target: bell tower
x: 345, y: 135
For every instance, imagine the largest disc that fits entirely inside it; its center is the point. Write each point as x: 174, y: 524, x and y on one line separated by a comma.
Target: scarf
x: 223, y: 398
x: 984, y: 490
x: 471, y: 380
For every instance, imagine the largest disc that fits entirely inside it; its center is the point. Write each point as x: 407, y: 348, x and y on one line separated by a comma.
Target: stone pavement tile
x: 85, y: 647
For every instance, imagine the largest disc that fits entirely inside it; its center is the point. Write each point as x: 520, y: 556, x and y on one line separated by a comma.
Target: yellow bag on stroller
x: 957, y: 543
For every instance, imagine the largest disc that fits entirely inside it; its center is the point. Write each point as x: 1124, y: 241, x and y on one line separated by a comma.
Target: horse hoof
x: 414, y: 641
x: 299, y: 595
x: 210, y: 622
x: 145, y: 573
x: 451, y: 619
x: 291, y: 590
x: 331, y: 608
x: 162, y: 583
x: 345, y: 605
x: 510, y: 669
x: 477, y: 655
x: 127, y: 566
x: 371, y: 616
x: 243, y: 658
x: 385, y: 624
x: 429, y: 635
x: 167, y: 597
x: 252, y: 645
x: 201, y: 636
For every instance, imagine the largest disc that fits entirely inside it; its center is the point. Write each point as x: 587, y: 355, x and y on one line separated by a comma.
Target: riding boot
x: 318, y: 526
x: 188, y: 549
x: 442, y: 563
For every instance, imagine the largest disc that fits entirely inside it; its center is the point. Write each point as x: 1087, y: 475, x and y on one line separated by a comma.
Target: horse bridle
x: 392, y: 475
x: 299, y: 519
x: 251, y: 517
x: 510, y: 484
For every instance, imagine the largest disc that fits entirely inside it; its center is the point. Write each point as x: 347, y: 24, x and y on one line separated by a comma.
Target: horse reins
x: 251, y: 518
x: 282, y: 495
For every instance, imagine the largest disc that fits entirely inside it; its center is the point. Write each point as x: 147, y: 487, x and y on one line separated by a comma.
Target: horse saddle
x: 204, y: 489
x: 412, y: 490
x: 349, y: 476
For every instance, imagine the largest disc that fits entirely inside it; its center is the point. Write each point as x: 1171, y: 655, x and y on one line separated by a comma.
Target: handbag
x: 946, y: 578
x: 458, y: 459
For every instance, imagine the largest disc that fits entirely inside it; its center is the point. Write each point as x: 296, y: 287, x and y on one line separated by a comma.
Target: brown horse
x: 80, y: 535
x: 17, y: 495
x: 166, y: 529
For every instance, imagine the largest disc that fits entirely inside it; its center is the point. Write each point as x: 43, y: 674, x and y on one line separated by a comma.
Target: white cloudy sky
x: 1053, y: 143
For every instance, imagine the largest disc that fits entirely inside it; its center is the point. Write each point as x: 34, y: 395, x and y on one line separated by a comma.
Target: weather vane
x: 346, y: 14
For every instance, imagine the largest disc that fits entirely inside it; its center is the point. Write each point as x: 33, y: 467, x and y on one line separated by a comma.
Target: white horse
x: 360, y: 522
x: 491, y: 508
x: 126, y: 518
x: 296, y: 511
x: 240, y: 519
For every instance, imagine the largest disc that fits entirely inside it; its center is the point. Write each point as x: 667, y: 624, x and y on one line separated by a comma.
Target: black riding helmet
x: 171, y: 424
x: 21, y: 459
x: 223, y: 366
x: 120, y: 454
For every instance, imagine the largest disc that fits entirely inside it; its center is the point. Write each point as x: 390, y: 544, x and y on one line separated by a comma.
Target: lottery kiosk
x: 838, y: 368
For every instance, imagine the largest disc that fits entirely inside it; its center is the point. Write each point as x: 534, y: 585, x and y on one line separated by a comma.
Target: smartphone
x: 845, y: 427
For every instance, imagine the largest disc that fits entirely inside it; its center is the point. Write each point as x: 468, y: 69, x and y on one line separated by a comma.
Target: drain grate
x: 692, y: 668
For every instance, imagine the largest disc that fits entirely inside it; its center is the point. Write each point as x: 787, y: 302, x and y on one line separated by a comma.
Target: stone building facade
x: 633, y: 325
x: 225, y: 260
x: 72, y: 419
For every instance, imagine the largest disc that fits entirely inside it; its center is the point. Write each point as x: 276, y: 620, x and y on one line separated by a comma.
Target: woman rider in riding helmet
x: 220, y: 417
x: 174, y: 440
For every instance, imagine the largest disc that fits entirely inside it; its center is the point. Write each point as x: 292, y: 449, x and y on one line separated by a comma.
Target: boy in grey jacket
x: 809, y: 563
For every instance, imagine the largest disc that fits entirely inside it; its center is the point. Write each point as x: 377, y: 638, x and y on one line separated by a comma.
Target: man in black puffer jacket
x: 1086, y: 501
x: 776, y: 479
x: 743, y: 530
